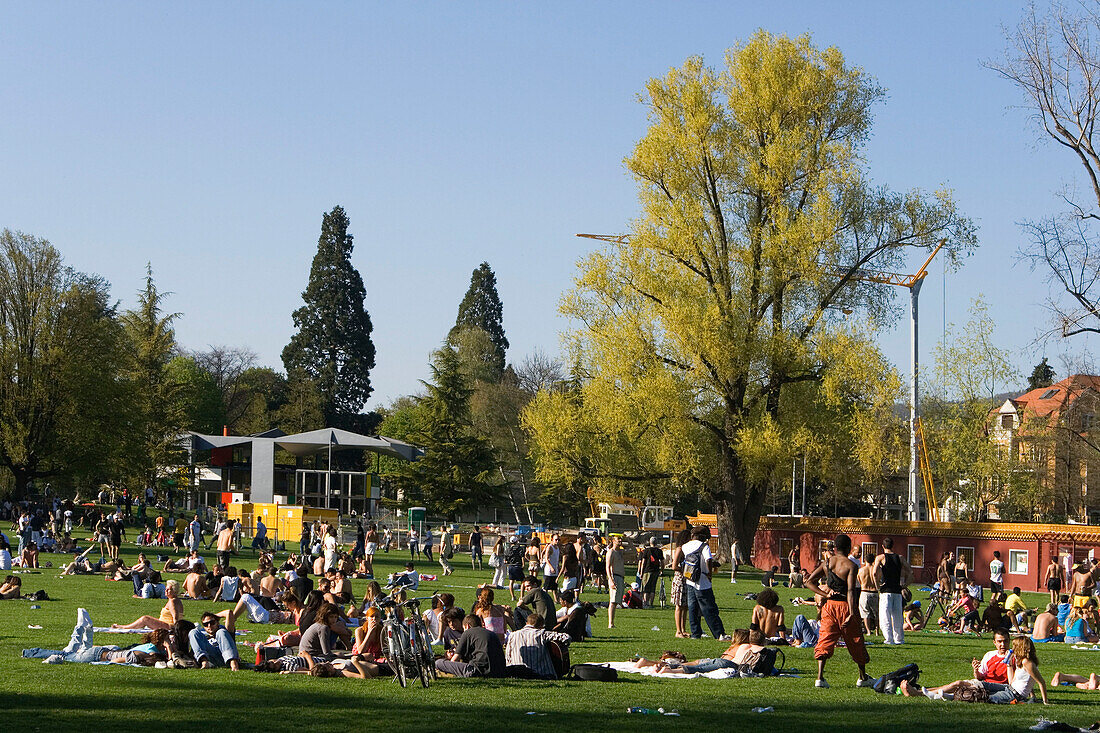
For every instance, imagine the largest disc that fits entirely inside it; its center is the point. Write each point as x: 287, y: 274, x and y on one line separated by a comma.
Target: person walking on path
x: 700, y: 593
x: 892, y: 575
x: 839, y: 612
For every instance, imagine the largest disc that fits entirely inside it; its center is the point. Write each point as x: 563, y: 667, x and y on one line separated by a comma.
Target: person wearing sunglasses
x: 212, y: 644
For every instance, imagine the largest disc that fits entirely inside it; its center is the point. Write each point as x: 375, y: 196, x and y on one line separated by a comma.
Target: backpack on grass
x: 593, y: 673
x: 889, y: 683
x: 763, y: 663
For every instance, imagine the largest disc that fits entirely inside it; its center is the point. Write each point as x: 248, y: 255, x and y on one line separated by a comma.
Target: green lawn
x: 34, y: 696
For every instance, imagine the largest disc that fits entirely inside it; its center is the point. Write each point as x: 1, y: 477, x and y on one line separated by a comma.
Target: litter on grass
x: 33, y: 626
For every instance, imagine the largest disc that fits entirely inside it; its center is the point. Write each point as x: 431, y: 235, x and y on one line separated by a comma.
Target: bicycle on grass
x: 408, y: 648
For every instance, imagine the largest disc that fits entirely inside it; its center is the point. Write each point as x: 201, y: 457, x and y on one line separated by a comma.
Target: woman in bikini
x: 172, y: 611
x: 495, y: 617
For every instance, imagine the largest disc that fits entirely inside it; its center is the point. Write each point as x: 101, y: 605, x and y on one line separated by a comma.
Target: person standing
x: 117, y: 530
x: 616, y: 580
x: 476, y: 549
x: 996, y: 573
x: 551, y: 565
x: 700, y: 593
x: 446, y: 549
x: 330, y: 547
x: 735, y: 560
x: 226, y: 543
x: 651, y: 563
x: 839, y: 612
x: 868, y: 593
x: 426, y: 544
x: 370, y: 545
x: 1054, y: 578
x: 893, y: 574
x: 387, y: 539
x: 360, y: 540
x: 194, y: 534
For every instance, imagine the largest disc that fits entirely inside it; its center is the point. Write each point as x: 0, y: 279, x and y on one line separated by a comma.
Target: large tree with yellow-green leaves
x: 709, y: 341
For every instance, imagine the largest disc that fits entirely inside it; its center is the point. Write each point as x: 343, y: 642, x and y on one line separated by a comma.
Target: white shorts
x: 571, y: 583
x: 370, y: 547
x: 868, y: 604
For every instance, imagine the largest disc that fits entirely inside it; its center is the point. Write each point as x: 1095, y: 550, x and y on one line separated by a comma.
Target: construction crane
x: 926, y: 472
x: 913, y: 283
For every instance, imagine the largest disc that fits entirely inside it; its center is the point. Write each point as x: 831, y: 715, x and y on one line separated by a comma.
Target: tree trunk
x: 737, y: 505
x: 23, y: 477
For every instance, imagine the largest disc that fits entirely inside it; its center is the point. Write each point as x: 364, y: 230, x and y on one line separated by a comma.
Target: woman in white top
x: 330, y: 549
x: 500, y: 576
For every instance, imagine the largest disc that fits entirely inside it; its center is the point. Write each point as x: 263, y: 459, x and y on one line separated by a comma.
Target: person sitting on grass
x: 1064, y: 607
x: 966, y: 609
x: 155, y: 646
x: 495, y: 617
x: 172, y: 611
x: 1046, y: 626
x: 213, y: 645
x: 994, y: 616
x: 28, y: 558
x: 478, y: 652
x: 368, y: 636
x: 452, y: 627
x: 1023, y: 676
x: 914, y: 617
x: 526, y: 653
x: 194, y: 585
x: 408, y: 579
x: 805, y: 631
x: 340, y: 586
x: 768, y: 579
x: 1018, y: 610
x: 767, y: 615
x: 433, y: 617
x: 1078, y: 629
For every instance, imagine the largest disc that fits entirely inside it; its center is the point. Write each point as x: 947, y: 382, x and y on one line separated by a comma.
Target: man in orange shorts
x: 840, y: 612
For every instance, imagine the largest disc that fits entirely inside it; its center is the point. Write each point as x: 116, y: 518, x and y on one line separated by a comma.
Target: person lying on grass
x: 80, y: 565
x: 1023, y: 676
x: 355, y: 667
x: 11, y: 588
x: 743, y: 643
x: 155, y: 647
x: 1092, y: 682
x: 172, y: 611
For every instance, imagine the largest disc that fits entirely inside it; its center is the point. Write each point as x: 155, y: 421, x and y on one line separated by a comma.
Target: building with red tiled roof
x: 1055, y: 432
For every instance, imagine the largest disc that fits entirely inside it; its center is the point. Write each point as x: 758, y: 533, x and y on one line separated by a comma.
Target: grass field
x: 39, y: 697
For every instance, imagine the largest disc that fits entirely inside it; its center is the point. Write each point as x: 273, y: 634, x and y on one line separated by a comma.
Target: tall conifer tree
x: 333, y: 344
x: 481, y: 308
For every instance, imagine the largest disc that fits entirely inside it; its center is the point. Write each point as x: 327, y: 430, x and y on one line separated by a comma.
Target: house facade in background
x: 1054, y: 432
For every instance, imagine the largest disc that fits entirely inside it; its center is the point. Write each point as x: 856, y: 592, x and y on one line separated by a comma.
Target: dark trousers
x: 702, y: 603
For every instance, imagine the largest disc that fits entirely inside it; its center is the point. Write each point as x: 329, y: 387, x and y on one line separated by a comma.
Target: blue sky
x: 208, y: 139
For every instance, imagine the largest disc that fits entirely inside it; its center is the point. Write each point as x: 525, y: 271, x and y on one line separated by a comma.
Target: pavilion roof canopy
x: 314, y: 441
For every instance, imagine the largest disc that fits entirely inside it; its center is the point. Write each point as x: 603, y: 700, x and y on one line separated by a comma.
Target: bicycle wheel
x: 425, y: 647
x: 396, y: 656
x: 409, y: 659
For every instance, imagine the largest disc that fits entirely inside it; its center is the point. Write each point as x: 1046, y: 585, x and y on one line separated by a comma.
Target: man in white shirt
x: 551, y: 565
x: 996, y: 573
x: 700, y: 594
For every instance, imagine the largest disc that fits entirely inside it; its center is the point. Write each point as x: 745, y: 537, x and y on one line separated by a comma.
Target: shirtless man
x: 194, y: 585
x: 1082, y: 584
x: 868, y: 594
x: 370, y: 546
x: 1046, y: 625
x: 226, y: 540
x: 1054, y: 578
x: 271, y: 583
x: 840, y: 612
